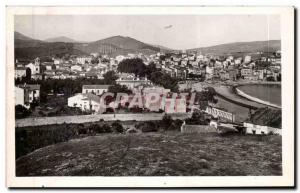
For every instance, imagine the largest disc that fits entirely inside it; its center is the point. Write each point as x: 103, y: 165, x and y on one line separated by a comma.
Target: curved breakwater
x: 243, y: 94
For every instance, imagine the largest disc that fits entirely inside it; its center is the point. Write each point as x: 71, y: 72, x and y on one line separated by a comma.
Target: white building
x: 21, y: 72
x: 95, y: 89
x: 76, y: 68
x: 209, y: 70
x: 247, y: 59
x: 260, y: 129
x: 86, y: 102
x: 131, y: 83
x: 27, y: 94
x: 119, y: 58
x: 84, y: 59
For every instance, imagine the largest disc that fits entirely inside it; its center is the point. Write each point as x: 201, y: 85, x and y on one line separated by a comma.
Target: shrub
x: 117, y: 127
x: 148, y: 126
x: 21, y: 112
x: 197, y: 118
x: 107, y: 129
x: 166, y: 122
x: 95, y: 128
x: 176, y: 125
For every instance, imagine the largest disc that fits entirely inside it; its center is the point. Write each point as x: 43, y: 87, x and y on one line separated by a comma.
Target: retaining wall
x: 38, y: 121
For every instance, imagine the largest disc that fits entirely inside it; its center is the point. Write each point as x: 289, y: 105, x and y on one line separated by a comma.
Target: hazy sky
x: 178, y: 32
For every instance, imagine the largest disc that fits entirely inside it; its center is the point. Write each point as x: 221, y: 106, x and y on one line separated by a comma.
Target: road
x: 38, y: 121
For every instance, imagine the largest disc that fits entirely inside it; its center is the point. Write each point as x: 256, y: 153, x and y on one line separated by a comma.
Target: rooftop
x: 95, y: 86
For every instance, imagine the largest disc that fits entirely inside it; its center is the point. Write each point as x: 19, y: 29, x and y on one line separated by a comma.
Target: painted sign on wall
x: 220, y: 113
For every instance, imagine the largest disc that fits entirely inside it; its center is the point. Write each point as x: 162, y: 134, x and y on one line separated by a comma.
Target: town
x: 160, y: 73
x: 147, y: 96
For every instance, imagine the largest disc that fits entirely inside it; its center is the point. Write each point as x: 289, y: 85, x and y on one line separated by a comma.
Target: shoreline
x: 243, y: 94
x: 253, y: 98
x: 230, y: 92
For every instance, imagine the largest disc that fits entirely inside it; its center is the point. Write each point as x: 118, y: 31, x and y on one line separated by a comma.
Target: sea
x: 265, y: 92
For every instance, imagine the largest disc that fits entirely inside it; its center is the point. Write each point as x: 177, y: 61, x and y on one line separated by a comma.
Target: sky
x: 173, y: 31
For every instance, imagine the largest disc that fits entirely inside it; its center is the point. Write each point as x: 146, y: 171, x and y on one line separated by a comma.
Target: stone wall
x: 198, y: 129
x: 93, y: 118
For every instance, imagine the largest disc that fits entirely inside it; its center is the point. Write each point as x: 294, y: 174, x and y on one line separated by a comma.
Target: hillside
x: 157, y: 154
x: 28, y: 48
x: 60, y: 39
x: 241, y: 47
x: 118, y: 45
x: 20, y: 36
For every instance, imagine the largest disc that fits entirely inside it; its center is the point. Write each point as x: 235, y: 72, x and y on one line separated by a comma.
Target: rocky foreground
x: 157, y: 154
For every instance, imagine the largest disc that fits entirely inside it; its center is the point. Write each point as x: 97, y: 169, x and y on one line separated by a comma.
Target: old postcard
x: 150, y: 96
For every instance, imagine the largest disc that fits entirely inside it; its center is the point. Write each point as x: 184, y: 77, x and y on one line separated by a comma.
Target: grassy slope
x: 157, y: 154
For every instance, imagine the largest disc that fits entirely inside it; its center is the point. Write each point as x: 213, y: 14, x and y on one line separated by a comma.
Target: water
x: 270, y: 93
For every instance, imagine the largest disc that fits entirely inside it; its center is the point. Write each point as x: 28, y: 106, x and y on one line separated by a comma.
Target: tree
x: 164, y: 80
x: 117, y: 127
x: 166, y: 122
x: 95, y: 60
x: 21, y: 112
x: 197, y: 119
x: 119, y: 89
x: 135, y: 65
x: 148, y: 126
x: 176, y: 125
x: 110, y: 77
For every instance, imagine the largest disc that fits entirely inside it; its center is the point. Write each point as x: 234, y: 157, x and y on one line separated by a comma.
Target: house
x: 92, y: 75
x: 238, y: 61
x: 57, y: 61
x: 233, y: 74
x: 95, y: 89
x: 76, y: 68
x: 247, y: 59
x: 251, y: 77
x: 50, y: 66
x: 224, y: 75
x: 119, y: 58
x: 260, y: 129
x: 86, y: 102
x: 21, y: 72
x: 84, y: 59
x: 27, y: 94
x: 50, y: 72
x: 131, y: 82
x: 170, y: 71
x: 38, y: 76
x: 181, y: 72
x: 246, y: 72
x: 155, y: 89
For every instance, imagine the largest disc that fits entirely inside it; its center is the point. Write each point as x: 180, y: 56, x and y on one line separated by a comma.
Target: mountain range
x: 29, y: 48
x: 60, y: 39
